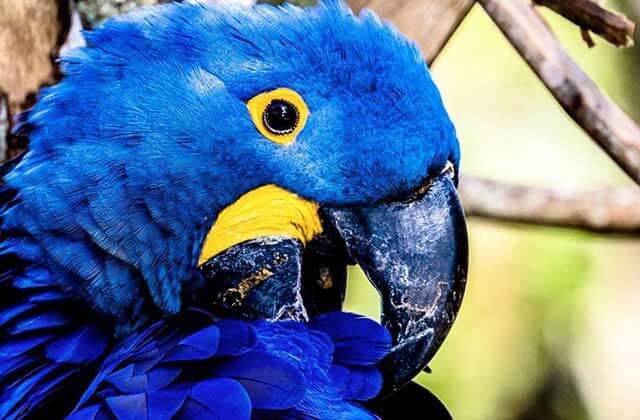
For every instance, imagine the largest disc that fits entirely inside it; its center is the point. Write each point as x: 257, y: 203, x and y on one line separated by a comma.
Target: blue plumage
x: 236, y: 338
x: 188, y: 367
x: 48, y: 346
x: 357, y: 341
x: 272, y: 383
x: 148, y: 137
x: 217, y: 398
x: 16, y: 346
x: 276, y: 375
x: 198, y: 346
x: 133, y: 155
x: 9, y: 313
x: 184, y: 367
x: 78, y: 346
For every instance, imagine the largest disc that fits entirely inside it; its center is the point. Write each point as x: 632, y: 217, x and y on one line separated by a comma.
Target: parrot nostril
x: 424, y: 185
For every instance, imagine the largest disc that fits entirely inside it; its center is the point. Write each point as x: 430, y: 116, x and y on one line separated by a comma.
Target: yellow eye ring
x: 279, y: 115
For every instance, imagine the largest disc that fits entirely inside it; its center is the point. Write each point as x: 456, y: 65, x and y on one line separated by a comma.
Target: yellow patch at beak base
x: 266, y: 211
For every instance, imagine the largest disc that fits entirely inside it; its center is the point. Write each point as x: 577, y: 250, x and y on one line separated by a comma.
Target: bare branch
x: 612, y: 26
x: 430, y: 23
x: 610, y: 210
x: 602, y: 119
x: 586, y: 37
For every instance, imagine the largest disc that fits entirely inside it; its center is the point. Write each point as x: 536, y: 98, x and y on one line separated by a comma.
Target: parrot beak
x: 415, y: 253
x: 257, y: 279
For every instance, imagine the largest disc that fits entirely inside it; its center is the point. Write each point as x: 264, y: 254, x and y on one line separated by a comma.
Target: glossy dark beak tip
x: 415, y: 253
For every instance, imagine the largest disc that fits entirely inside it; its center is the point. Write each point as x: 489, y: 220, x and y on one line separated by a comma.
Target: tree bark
x: 430, y: 23
x: 31, y: 33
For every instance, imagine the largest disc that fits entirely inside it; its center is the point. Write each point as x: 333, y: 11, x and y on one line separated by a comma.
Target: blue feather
x: 85, y: 344
x: 107, y: 391
x: 32, y: 279
x: 152, y: 380
x: 13, y: 311
x: 120, y: 379
x: 92, y: 412
x: 288, y: 374
x: 42, y: 321
x: 200, y: 345
x: 271, y: 382
x: 44, y: 391
x: 13, y: 347
x: 128, y: 347
x: 358, y: 340
x: 362, y: 383
x: 340, y: 376
x: 10, y: 365
x: 166, y: 404
x: 160, y: 377
x: 148, y: 361
x: 48, y: 296
x: 13, y: 395
x: 129, y: 407
x: 236, y: 338
x: 216, y: 399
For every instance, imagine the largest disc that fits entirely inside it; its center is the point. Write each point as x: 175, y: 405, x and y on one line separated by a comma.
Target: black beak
x: 257, y: 279
x: 415, y: 253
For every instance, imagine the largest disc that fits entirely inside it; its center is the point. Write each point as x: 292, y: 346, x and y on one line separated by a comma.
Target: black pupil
x: 280, y: 117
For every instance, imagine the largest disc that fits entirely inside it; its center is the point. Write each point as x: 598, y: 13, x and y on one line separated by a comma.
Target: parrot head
x: 240, y: 159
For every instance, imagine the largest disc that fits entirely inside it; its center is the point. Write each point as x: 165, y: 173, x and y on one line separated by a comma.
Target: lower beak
x: 415, y: 253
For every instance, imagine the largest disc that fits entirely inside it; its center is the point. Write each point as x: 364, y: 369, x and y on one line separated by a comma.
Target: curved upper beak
x: 413, y: 251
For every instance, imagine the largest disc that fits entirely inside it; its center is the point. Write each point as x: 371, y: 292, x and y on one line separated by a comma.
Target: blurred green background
x: 550, y: 324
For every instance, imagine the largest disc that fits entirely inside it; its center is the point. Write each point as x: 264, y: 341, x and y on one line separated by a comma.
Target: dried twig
x: 614, y: 27
x: 610, y: 210
x: 602, y: 119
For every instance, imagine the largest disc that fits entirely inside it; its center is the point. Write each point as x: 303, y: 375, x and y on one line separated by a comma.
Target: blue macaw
x: 174, y: 243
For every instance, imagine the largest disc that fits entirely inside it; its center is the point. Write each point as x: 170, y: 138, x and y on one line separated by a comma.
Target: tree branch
x: 610, y: 210
x: 603, y: 120
x: 612, y: 26
x: 430, y: 23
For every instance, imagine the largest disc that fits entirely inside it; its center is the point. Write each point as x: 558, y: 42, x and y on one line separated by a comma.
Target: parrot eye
x: 279, y: 115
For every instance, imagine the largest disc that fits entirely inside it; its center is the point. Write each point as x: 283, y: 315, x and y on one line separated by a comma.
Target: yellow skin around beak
x: 266, y: 211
